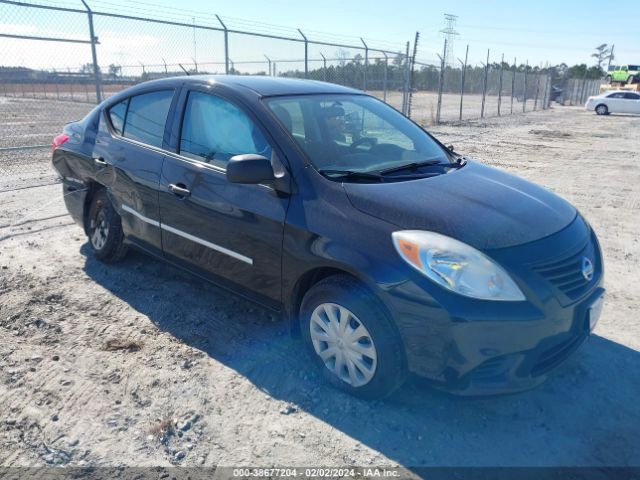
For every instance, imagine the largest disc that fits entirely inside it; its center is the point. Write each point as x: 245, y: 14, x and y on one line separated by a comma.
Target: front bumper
x: 473, y: 347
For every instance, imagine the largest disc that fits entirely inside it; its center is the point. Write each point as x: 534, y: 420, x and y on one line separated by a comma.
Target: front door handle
x: 179, y: 190
x: 100, y: 161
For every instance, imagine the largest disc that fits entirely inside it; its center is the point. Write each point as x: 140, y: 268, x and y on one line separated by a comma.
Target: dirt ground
x: 141, y: 364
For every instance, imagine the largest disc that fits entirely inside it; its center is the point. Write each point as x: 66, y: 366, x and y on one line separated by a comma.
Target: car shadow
x: 586, y: 415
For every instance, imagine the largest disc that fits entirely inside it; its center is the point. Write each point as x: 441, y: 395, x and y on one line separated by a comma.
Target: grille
x: 566, y: 273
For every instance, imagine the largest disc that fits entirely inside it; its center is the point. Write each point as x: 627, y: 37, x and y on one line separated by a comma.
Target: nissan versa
x: 388, y: 252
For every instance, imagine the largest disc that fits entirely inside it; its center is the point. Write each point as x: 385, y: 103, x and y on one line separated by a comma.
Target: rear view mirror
x: 250, y: 168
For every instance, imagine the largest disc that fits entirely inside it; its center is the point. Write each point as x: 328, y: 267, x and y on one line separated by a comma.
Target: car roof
x: 259, y: 84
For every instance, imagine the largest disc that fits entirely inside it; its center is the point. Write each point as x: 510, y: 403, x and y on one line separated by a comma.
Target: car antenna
x: 184, y: 70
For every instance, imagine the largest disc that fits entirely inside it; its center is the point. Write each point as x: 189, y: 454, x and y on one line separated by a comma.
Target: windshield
x: 354, y: 133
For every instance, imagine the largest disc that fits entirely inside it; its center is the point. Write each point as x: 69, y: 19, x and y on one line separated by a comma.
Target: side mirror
x: 450, y: 148
x: 250, y: 168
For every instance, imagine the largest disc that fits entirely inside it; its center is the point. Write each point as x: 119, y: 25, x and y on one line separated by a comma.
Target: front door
x: 228, y: 232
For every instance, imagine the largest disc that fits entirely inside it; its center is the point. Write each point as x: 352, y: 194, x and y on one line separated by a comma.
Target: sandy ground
x: 140, y: 364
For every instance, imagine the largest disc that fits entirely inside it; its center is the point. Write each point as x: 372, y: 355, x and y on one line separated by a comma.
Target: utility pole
x: 610, y: 56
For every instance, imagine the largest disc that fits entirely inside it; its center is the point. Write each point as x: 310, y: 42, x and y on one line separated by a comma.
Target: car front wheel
x: 602, y: 110
x: 105, y: 229
x: 351, y: 338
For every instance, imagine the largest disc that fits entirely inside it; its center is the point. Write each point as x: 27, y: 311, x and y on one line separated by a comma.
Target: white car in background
x: 618, y: 101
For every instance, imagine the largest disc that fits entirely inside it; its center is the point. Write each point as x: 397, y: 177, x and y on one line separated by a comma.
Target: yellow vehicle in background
x: 623, y: 74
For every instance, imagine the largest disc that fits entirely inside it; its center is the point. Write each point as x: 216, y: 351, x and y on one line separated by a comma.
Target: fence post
x: 366, y: 63
x: 513, y: 82
x: 484, y: 85
x: 584, y: 83
x: 226, y: 45
x: 269, y: 61
x: 524, y: 100
x: 384, y: 77
x: 306, y: 54
x: 94, y: 54
x: 274, y: 69
x: 500, y: 85
x: 70, y: 86
x: 405, y: 81
x: 441, y: 81
x: 56, y: 80
x: 544, y: 93
x: 535, y: 102
x: 463, y: 74
x: 324, y: 67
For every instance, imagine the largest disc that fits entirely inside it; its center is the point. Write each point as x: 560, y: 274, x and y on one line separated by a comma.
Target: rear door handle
x: 100, y: 161
x: 179, y: 190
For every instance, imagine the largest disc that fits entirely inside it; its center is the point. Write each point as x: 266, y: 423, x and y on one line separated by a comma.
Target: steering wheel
x: 362, y: 141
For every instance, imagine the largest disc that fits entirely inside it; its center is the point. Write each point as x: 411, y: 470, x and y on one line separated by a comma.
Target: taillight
x: 59, y: 141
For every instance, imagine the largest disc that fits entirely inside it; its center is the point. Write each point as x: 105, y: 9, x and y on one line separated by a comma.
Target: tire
x: 105, y: 230
x: 383, y: 369
x: 608, y: 80
x: 601, y: 109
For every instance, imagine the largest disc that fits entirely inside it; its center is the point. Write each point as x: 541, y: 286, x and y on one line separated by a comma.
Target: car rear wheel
x: 351, y: 338
x: 602, y: 109
x: 105, y: 229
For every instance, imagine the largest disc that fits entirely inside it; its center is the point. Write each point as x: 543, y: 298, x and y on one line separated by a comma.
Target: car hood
x: 479, y: 205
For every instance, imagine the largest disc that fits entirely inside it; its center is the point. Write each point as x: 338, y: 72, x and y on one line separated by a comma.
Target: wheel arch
x: 93, y: 187
x: 305, y: 282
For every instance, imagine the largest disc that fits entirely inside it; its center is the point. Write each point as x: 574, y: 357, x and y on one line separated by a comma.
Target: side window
x: 616, y: 95
x: 214, y: 130
x: 117, y: 114
x: 147, y: 116
x: 631, y: 96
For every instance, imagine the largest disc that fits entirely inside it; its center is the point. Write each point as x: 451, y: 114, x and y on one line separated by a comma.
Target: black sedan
x: 387, y: 252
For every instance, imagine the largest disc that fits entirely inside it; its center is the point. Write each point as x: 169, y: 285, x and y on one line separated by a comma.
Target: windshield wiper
x: 351, y: 174
x: 416, y: 165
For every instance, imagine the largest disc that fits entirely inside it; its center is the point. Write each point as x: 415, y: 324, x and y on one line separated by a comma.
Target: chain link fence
x: 57, y: 62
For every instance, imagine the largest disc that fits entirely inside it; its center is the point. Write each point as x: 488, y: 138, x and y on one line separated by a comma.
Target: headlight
x: 456, y: 265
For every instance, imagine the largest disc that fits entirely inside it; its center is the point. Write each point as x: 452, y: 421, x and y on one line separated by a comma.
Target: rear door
x: 128, y: 159
x: 632, y: 102
x: 230, y: 233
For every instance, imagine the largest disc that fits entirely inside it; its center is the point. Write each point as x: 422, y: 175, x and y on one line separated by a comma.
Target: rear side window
x: 631, y: 96
x: 117, y: 114
x: 214, y: 130
x: 146, y: 117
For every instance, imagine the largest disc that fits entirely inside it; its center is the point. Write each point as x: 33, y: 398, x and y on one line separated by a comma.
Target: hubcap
x: 100, y: 232
x: 601, y: 109
x: 343, y: 343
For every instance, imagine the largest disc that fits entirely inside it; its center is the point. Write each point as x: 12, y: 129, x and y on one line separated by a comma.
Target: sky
x: 542, y: 32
